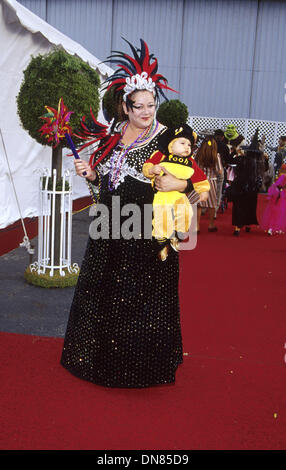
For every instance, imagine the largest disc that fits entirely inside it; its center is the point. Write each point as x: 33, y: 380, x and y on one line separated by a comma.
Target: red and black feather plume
x: 94, y: 131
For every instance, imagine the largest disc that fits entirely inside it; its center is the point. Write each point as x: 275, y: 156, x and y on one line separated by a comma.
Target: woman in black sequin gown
x: 124, y: 324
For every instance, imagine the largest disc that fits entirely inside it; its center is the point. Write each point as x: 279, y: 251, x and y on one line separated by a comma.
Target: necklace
x: 118, y: 157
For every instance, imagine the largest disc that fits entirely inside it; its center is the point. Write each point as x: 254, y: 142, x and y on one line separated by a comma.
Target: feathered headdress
x: 136, y: 73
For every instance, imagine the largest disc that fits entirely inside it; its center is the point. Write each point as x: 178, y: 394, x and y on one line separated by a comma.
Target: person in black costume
x: 223, y: 150
x: 280, y: 155
x: 124, y: 324
x: 249, y: 170
x: 222, y: 147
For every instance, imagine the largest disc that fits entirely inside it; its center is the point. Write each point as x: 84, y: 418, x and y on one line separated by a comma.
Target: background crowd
x: 238, y: 173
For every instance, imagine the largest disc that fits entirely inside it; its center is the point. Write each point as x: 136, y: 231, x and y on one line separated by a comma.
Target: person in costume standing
x: 223, y: 150
x: 172, y: 210
x: 124, y: 324
x: 249, y: 171
x: 208, y: 159
x: 280, y: 155
x: 233, y: 140
x: 274, y: 217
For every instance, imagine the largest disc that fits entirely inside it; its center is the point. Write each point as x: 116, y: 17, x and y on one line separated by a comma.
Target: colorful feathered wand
x: 56, y: 123
x: 56, y: 126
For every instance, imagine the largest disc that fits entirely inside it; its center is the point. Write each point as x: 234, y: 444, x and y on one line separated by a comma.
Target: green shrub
x: 172, y: 113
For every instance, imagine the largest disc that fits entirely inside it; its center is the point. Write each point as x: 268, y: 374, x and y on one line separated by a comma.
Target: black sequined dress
x: 124, y: 324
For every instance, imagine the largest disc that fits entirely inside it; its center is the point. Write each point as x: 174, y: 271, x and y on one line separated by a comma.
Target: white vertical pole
x: 48, y: 228
x: 53, y: 203
x: 62, y: 231
x: 46, y: 224
x: 45, y: 254
x: 69, y: 229
x: 40, y: 228
x: 64, y: 228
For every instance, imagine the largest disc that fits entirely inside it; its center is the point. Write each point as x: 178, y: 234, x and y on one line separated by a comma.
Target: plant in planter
x: 172, y: 113
x: 48, y: 78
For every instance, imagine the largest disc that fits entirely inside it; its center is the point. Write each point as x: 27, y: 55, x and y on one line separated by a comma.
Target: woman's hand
x: 169, y: 182
x: 82, y: 166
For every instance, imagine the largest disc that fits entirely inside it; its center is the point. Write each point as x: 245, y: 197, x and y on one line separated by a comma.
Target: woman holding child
x: 124, y: 324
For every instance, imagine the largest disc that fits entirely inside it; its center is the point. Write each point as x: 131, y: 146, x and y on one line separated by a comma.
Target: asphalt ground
x: 28, y: 309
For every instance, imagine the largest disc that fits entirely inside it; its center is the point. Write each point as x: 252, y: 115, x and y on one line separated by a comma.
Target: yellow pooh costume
x: 172, y: 211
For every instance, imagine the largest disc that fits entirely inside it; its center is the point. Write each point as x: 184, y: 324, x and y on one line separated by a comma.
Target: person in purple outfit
x: 274, y: 217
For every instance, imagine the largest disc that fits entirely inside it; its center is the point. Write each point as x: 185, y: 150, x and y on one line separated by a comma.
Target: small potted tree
x: 47, y: 79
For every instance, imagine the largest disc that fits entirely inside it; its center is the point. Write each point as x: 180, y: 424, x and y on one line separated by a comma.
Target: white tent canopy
x: 22, y: 35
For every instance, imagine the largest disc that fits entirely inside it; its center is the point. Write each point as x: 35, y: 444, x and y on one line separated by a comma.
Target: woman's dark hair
x: 207, y: 153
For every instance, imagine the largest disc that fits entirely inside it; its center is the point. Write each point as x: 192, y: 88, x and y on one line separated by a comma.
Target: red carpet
x: 229, y: 393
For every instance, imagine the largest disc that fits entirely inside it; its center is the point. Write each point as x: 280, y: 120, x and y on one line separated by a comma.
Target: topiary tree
x: 48, y: 78
x: 172, y: 113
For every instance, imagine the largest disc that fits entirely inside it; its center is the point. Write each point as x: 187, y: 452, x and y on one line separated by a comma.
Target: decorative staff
x: 56, y: 126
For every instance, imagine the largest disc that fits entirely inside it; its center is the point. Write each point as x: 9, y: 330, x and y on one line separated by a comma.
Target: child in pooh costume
x: 172, y: 211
